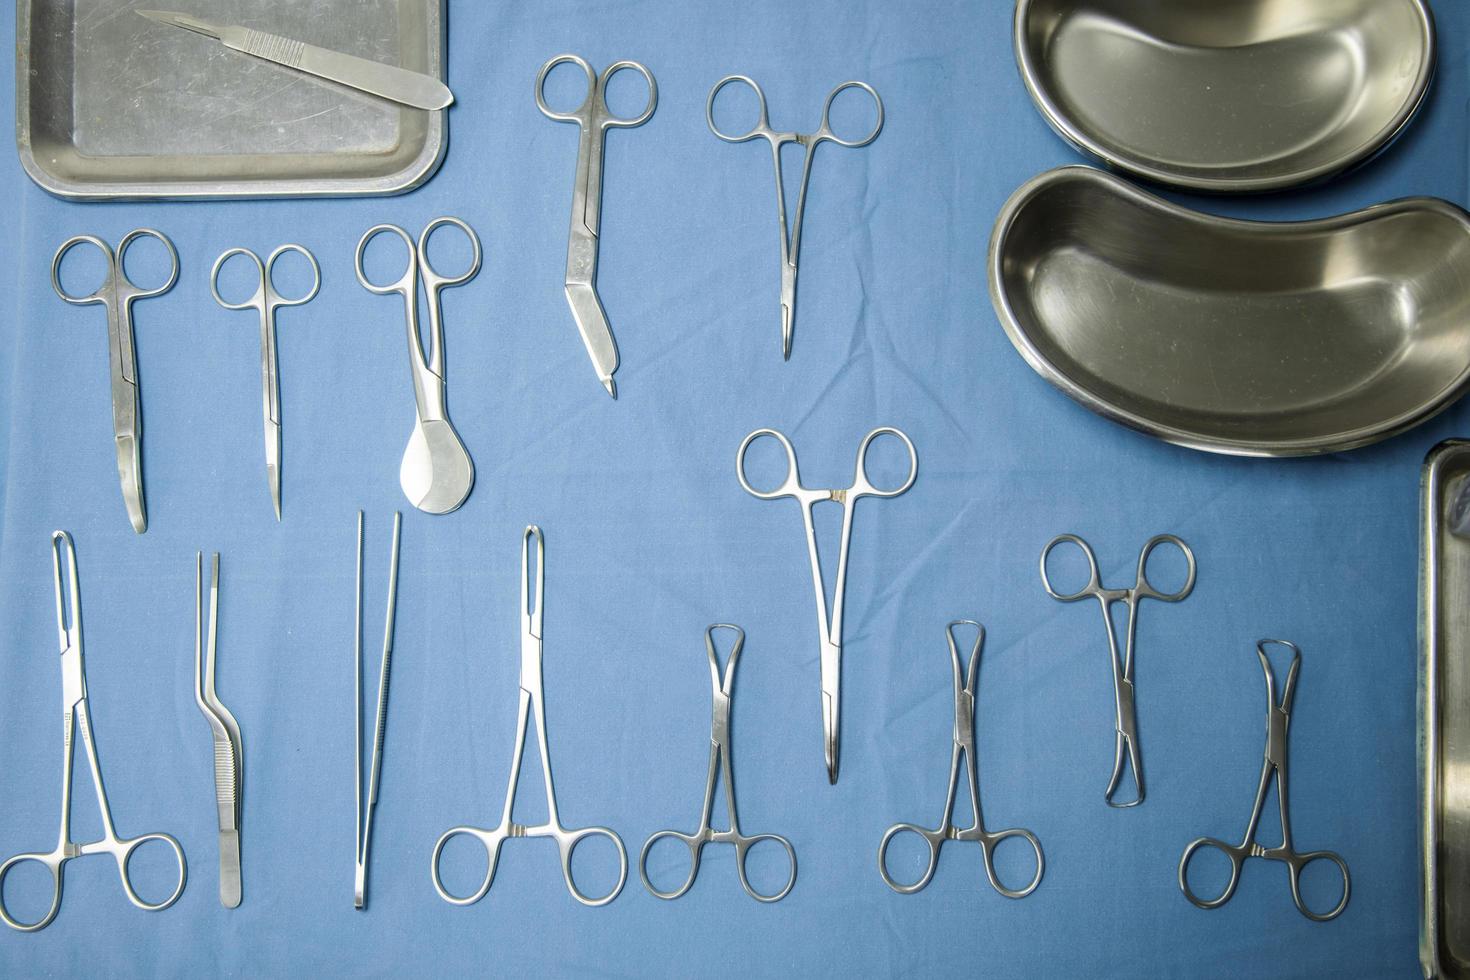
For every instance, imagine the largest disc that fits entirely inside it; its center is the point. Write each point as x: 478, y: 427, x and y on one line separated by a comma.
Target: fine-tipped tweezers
x: 228, y: 748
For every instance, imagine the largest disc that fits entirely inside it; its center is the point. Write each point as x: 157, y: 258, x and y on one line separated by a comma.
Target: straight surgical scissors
x: 595, y: 119
x: 830, y: 629
x: 719, y: 764
x: 77, y: 716
x: 791, y: 241
x: 532, y: 697
x: 1278, y: 718
x: 436, y: 472
x: 964, y: 745
x: 265, y: 300
x: 1125, y: 718
x: 228, y: 748
x: 117, y: 294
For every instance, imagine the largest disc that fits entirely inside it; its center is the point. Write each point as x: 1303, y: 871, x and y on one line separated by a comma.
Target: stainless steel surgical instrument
x: 1278, y: 718
x: 436, y: 472
x: 829, y: 628
x: 964, y: 745
x: 791, y: 241
x: 76, y: 716
x: 532, y: 698
x: 1125, y: 718
x: 228, y: 748
x: 380, y: 721
x: 117, y: 294
x: 719, y: 764
x: 265, y: 300
x: 594, y: 119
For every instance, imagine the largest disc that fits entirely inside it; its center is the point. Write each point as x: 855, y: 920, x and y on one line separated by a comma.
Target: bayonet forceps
x: 228, y: 748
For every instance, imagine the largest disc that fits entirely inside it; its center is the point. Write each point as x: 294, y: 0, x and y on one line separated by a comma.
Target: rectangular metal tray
x: 109, y: 105
x: 1444, y: 719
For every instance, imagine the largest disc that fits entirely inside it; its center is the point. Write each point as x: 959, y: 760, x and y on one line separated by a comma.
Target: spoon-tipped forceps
x: 228, y: 748
x: 380, y: 722
x: 117, y: 294
x: 532, y: 698
x: 830, y: 629
x: 719, y: 764
x: 265, y: 300
x: 594, y: 119
x: 1125, y: 718
x: 791, y: 241
x: 1278, y: 718
x: 76, y: 716
x: 964, y: 744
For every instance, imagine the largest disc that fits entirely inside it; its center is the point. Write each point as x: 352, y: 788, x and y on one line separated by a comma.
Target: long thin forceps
x: 436, y: 472
x: 719, y: 765
x: 228, y: 749
x: 1125, y: 718
x: 532, y: 697
x: 265, y: 300
x: 791, y: 241
x: 830, y: 629
x: 594, y: 119
x: 380, y: 721
x: 1278, y: 718
x: 76, y: 716
x: 964, y: 745
x: 117, y: 294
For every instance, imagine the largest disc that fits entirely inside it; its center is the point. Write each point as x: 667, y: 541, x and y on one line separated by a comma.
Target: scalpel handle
x: 388, y: 81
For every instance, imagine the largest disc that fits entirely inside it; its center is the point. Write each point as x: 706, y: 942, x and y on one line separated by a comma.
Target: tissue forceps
x: 1278, y: 719
x: 77, y: 716
x: 791, y: 241
x: 380, y: 721
x: 1125, y: 717
x: 829, y: 628
x: 532, y: 698
x: 265, y: 301
x: 719, y: 764
x: 117, y: 294
x: 964, y: 744
x: 228, y: 748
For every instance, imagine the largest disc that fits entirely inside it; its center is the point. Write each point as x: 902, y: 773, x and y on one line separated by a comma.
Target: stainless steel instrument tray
x: 1243, y: 337
x: 1249, y: 95
x: 109, y: 105
x: 1444, y: 719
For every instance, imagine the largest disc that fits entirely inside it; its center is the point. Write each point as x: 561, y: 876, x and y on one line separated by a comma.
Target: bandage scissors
x: 1125, y: 724
x: 436, y: 472
x: 117, y: 294
x: 594, y: 119
x: 228, y: 747
x: 76, y: 716
x: 719, y: 765
x: 791, y: 241
x: 1278, y: 718
x: 829, y: 628
x: 532, y: 698
x: 964, y: 745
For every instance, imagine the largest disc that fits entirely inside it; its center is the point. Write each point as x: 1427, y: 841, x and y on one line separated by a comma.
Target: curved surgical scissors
x: 1278, y: 718
x: 75, y: 715
x: 964, y: 744
x: 719, y: 764
x: 531, y: 698
x: 791, y: 241
x: 830, y: 629
x: 1125, y: 718
x: 117, y: 294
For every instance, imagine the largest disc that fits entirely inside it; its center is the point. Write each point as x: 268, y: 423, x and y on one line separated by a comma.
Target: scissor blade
x: 273, y: 462
x: 175, y: 19
x: 831, y: 703
x: 130, y: 473
x: 596, y: 335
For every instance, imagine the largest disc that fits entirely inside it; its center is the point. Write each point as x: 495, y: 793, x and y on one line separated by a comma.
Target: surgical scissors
x: 228, y: 748
x: 436, y: 472
x: 1278, y: 718
x: 265, y: 300
x: 380, y: 719
x: 532, y: 697
x: 594, y: 119
x: 964, y: 744
x: 719, y: 764
x: 791, y: 241
x: 77, y: 716
x: 1125, y: 719
x: 830, y: 629
x: 117, y: 294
